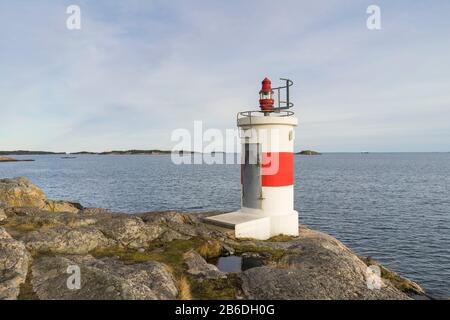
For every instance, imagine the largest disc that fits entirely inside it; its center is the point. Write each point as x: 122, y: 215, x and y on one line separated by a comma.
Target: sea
x: 393, y: 207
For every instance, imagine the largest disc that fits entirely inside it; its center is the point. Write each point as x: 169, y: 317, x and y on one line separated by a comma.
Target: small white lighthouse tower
x: 267, y: 169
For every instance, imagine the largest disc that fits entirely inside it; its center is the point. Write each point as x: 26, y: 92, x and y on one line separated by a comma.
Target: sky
x: 138, y: 70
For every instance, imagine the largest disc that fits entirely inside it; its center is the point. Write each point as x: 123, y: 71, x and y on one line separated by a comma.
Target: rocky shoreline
x: 166, y: 255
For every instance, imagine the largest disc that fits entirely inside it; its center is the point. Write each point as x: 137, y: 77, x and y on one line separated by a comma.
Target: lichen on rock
x: 65, y: 240
x: 129, y: 231
x: 14, y: 261
x: 2, y: 214
x: 20, y: 192
x: 198, y: 266
x: 102, y: 279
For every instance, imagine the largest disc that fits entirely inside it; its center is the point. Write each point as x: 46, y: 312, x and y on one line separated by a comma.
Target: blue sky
x: 137, y: 70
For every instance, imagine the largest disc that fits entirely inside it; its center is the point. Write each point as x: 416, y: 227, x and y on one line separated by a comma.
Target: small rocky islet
x: 309, y: 153
x: 166, y: 255
x: 8, y: 159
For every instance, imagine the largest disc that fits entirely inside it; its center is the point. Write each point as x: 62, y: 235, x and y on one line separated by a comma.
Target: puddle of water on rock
x: 237, y: 263
x: 230, y: 264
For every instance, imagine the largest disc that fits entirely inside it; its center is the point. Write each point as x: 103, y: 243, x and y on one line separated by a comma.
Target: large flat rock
x: 101, y: 279
x: 315, y: 266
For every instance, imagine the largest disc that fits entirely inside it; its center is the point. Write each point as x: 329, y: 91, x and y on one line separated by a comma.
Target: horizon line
x: 12, y: 152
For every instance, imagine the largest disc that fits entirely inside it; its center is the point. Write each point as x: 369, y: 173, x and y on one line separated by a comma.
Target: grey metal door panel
x: 251, y: 174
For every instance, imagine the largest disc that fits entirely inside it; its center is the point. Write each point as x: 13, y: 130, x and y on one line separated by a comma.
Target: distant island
x: 8, y: 159
x: 136, y: 152
x: 28, y: 153
x: 114, y: 152
x: 133, y: 152
x: 309, y: 153
x: 124, y: 152
x: 83, y: 152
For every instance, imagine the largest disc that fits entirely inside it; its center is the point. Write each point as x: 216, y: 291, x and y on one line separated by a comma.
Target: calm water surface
x: 392, y: 207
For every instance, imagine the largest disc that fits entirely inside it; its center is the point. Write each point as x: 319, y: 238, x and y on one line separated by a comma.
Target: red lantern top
x: 266, y: 96
x: 266, y: 85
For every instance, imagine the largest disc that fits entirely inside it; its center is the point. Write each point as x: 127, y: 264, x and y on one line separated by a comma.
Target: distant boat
x: 68, y: 157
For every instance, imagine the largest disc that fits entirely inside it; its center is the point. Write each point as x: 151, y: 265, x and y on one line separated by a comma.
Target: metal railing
x: 283, y: 105
x: 280, y: 113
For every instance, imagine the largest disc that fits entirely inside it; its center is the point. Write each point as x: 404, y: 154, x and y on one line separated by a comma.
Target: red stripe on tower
x: 277, y: 169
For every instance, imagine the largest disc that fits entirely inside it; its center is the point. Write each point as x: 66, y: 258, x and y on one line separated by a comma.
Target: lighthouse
x: 267, y: 168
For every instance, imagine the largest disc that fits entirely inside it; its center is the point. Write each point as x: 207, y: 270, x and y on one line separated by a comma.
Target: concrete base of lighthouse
x: 256, y: 225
